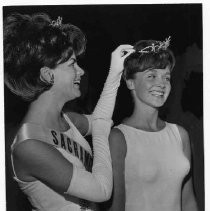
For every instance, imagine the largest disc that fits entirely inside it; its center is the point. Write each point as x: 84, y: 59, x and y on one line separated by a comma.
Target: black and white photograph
x: 103, y: 107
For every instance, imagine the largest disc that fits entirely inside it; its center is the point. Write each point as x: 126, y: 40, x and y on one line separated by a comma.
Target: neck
x: 145, y: 117
x: 46, y: 111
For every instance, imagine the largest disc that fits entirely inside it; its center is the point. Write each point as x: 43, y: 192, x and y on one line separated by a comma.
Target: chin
x: 77, y: 95
x: 70, y: 98
x: 157, y: 104
x: 74, y: 95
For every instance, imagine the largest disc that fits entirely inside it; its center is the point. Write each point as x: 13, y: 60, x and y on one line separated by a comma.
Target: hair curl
x: 30, y: 43
x: 139, y: 62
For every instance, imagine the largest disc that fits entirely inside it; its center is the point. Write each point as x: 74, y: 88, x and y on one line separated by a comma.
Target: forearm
x: 105, y: 106
x: 95, y: 186
x: 189, y: 202
x: 190, y: 205
x: 98, y: 185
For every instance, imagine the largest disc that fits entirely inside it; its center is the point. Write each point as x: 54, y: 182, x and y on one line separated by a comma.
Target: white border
x: 79, y: 2
x: 206, y: 53
x: 2, y: 139
x: 206, y: 88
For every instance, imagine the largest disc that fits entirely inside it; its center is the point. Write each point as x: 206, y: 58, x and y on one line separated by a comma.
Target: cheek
x: 145, y: 86
x: 64, y: 81
x: 168, y: 89
x: 141, y: 90
x: 68, y: 77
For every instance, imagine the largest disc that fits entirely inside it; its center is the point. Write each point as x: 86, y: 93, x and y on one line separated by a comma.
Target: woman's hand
x: 118, y: 57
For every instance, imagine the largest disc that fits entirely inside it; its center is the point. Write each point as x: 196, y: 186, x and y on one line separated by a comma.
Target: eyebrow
x: 150, y: 70
x: 155, y: 70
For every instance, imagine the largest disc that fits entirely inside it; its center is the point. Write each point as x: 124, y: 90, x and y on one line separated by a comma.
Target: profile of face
x: 151, y: 87
x: 42, y: 58
x: 67, y: 78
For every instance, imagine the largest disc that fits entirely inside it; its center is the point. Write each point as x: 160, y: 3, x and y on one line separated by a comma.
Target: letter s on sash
x: 55, y: 140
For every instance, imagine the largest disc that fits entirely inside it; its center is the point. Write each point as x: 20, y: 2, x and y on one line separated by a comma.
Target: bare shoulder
x: 32, y: 152
x: 34, y: 159
x: 31, y: 146
x: 117, y: 142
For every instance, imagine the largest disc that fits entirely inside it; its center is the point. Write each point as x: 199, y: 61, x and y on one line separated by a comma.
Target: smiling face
x: 151, y: 87
x: 67, y: 77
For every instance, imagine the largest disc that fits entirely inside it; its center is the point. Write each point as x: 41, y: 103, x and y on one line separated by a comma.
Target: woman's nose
x: 160, y: 82
x: 80, y: 70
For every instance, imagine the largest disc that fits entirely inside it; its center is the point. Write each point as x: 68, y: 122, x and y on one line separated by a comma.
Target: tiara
x: 160, y: 45
x: 57, y: 23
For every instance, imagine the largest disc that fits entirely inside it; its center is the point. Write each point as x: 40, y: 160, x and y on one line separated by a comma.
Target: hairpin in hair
x: 160, y: 45
x: 57, y: 23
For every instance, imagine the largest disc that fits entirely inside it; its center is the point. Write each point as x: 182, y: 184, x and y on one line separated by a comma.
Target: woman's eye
x: 72, y: 63
x: 151, y: 76
x: 167, y: 78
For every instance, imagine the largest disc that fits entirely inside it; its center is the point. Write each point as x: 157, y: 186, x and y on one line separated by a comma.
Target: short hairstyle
x: 32, y: 42
x: 141, y: 61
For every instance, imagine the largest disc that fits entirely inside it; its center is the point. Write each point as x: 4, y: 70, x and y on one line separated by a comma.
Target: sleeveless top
x: 72, y: 145
x: 155, y: 167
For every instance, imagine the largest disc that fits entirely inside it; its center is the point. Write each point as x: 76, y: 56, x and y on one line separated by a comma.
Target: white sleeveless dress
x: 155, y: 166
x: 74, y: 148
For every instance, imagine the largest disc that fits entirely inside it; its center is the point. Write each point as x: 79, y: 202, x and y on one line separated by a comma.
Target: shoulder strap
x: 121, y: 128
x: 176, y: 132
x: 32, y: 131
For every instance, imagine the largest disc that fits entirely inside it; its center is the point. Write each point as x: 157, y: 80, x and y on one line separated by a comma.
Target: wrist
x: 115, y: 71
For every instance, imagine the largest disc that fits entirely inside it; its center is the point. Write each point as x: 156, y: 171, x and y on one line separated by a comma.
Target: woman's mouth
x: 157, y: 93
x: 77, y: 83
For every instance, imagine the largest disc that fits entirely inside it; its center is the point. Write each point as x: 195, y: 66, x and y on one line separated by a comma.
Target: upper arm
x: 80, y: 121
x: 36, y: 159
x: 185, y: 141
x: 118, y: 153
x: 188, y: 197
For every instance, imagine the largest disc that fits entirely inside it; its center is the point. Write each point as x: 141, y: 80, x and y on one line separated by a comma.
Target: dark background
x: 106, y: 27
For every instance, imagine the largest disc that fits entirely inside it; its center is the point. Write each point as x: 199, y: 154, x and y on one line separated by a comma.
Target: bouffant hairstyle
x: 32, y: 42
x: 142, y: 60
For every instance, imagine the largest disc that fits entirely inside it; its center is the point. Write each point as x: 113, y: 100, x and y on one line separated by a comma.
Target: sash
x: 57, y: 139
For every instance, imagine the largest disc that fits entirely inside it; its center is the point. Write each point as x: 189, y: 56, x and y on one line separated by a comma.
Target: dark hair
x: 139, y: 62
x: 32, y: 42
